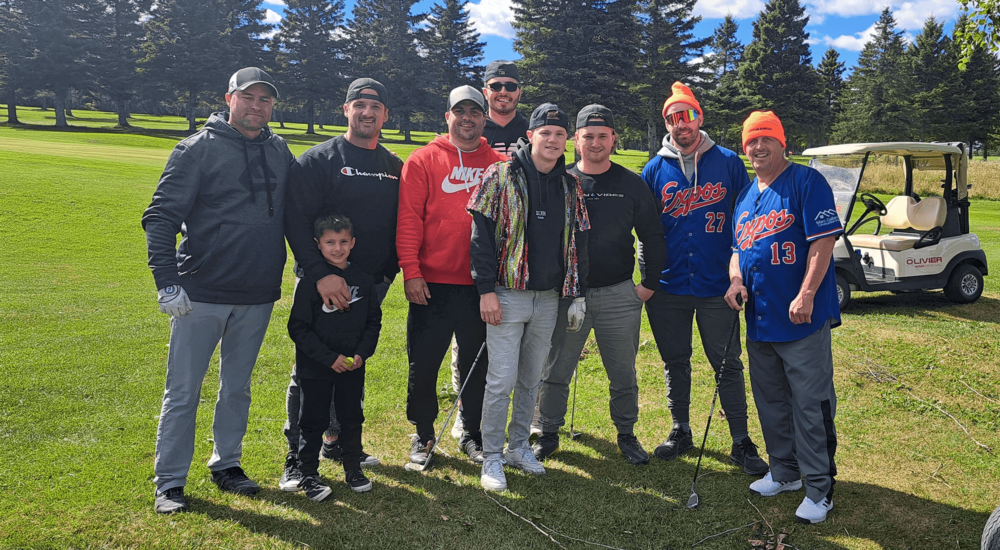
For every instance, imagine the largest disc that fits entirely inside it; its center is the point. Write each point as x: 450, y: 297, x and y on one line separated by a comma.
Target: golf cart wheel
x: 991, y: 534
x: 843, y: 292
x: 965, y: 284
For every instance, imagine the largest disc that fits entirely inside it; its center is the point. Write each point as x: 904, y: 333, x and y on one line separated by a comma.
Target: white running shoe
x: 492, y: 477
x: 813, y: 512
x: 523, y: 459
x: 458, y: 427
x: 767, y: 487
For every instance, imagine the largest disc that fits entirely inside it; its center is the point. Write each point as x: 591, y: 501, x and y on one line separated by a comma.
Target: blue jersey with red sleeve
x: 697, y: 221
x: 774, y: 229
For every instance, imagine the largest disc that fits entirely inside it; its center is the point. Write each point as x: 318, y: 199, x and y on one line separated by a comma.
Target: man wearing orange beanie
x: 695, y: 183
x: 782, y: 268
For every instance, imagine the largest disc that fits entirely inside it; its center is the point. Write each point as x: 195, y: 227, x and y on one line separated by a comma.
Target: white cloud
x: 271, y: 17
x: 909, y: 15
x: 850, y: 42
x: 739, y: 9
x: 492, y: 17
x: 913, y: 15
x: 279, y: 3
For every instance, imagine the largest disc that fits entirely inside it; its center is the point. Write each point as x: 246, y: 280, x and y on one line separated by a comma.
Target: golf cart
x: 929, y: 245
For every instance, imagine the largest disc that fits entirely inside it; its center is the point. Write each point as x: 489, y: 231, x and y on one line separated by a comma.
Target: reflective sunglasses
x: 509, y: 86
x: 687, y: 115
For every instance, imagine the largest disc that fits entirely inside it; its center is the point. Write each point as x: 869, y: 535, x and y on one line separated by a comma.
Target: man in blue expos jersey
x: 782, y: 267
x: 695, y: 183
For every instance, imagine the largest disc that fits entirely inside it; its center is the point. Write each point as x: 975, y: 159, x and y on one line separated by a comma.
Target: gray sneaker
x: 492, y: 477
x: 524, y: 460
x: 171, y: 501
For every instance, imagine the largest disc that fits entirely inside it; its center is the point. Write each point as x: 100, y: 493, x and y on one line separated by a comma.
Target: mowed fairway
x: 82, y: 365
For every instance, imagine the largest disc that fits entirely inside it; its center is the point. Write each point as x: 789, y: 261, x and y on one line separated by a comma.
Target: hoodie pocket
x: 244, y: 257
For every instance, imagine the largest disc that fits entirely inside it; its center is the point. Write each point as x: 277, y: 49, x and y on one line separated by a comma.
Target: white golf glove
x: 575, y: 315
x: 174, y: 301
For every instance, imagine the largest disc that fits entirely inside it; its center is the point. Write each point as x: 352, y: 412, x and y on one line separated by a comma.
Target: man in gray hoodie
x: 695, y: 183
x: 223, y: 190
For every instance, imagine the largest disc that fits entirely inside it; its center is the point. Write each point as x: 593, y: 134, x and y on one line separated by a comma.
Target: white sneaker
x: 536, y: 422
x: 458, y: 427
x: 492, y: 477
x: 767, y: 487
x: 523, y: 459
x: 813, y: 512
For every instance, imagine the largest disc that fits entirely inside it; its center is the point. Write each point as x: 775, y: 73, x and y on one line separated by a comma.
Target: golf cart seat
x: 912, y: 223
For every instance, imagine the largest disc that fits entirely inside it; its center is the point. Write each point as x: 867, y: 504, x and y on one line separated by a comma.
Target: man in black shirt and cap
x: 503, y: 90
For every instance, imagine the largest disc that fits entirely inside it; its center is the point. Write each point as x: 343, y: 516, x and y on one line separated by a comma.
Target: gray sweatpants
x: 792, y: 385
x: 193, y: 339
x: 517, y: 352
x: 614, y: 312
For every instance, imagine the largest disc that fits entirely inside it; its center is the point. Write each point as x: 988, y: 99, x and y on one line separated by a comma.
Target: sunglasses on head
x: 686, y: 115
x: 497, y: 86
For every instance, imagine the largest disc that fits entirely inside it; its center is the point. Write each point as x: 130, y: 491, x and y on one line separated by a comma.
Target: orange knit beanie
x: 681, y: 94
x: 763, y: 123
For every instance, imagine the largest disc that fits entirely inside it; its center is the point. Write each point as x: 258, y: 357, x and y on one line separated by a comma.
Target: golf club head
x: 575, y: 435
x: 413, y: 467
x: 693, y: 501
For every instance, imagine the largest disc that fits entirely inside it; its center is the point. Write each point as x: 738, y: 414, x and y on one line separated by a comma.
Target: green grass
x: 83, y: 351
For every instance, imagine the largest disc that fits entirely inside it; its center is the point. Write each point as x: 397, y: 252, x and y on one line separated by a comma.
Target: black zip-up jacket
x: 503, y: 139
x: 363, y: 184
x: 225, y: 195
x: 618, y: 201
x: 321, y: 337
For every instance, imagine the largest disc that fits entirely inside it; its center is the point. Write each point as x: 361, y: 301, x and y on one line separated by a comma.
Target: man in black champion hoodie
x: 223, y: 189
x: 352, y: 175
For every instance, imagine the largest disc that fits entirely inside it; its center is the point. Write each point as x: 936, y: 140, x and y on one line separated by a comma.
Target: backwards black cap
x: 548, y: 114
x: 362, y: 88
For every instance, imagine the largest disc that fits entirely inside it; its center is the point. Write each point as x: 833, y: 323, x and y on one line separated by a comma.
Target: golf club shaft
x: 572, y: 414
x: 458, y: 399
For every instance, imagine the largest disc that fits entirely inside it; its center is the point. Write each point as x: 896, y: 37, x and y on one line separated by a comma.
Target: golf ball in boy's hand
x: 348, y: 362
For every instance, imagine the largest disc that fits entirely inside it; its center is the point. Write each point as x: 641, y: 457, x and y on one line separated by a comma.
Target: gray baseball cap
x: 466, y: 93
x: 248, y: 76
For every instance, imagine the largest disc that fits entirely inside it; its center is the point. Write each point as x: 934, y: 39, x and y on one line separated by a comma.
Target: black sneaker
x: 419, y: 449
x: 332, y: 450
x: 678, y: 442
x: 233, y: 480
x: 745, y: 454
x: 633, y: 451
x: 314, y: 489
x: 472, y: 447
x: 545, y: 445
x: 171, y: 501
x: 292, y: 476
x: 357, y: 481
x: 368, y: 460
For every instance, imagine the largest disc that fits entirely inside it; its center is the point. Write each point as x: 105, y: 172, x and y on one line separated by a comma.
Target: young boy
x: 331, y: 349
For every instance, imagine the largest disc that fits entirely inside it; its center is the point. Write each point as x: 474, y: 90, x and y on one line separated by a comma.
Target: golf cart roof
x: 919, y: 151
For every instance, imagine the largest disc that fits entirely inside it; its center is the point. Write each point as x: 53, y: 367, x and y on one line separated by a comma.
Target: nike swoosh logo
x: 448, y: 187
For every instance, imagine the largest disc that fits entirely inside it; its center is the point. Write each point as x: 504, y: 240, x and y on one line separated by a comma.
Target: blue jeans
x: 193, y: 339
x: 517, y: 349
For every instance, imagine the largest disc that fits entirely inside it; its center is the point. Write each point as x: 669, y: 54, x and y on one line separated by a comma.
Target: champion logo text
x: 351, y: 172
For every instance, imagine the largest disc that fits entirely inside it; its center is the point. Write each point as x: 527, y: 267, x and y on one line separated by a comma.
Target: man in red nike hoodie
x: 433, y: 233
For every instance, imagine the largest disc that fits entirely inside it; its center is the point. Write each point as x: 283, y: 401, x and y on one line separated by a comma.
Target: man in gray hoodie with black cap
x: 223, y: 190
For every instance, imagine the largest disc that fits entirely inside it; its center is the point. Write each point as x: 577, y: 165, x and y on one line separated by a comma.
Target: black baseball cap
x: 466, y: 93
x: 548, y: 114
x: 248, y: 76
x: 354, y: 91
x: 595, y: 115
x: 501, y: 68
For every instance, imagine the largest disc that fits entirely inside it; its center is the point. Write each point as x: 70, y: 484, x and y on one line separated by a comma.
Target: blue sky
x: 843, y: 24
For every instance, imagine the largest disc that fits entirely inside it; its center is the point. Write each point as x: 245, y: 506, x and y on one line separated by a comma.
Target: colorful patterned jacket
x: 501, y: 198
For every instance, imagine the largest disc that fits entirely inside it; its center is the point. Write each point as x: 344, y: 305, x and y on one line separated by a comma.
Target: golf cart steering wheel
x: 873, y: 204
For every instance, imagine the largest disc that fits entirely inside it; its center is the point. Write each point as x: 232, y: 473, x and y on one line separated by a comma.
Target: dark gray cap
x: 248, y: 76
x: 548, y: 114
x: 501, y: 68
x: 466, y: 93
x: 595, y: 115
x: 354, y: 91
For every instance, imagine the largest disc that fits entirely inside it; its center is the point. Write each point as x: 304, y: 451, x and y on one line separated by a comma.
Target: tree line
x: 171, y: 56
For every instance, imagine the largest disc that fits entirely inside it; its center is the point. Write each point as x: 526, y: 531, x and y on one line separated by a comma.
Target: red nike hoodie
x: 434, y: 231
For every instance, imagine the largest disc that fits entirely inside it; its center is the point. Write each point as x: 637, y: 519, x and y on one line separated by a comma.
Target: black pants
x: 452, y: 309
x: 346, y: 390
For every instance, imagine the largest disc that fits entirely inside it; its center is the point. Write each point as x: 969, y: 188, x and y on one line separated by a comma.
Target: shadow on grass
x: 922, y: 304
x: 173, y: 135
x: 591, y: 493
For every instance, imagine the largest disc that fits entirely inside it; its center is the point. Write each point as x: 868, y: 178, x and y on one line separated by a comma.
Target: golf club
x: 693, y: 499
x: 572, y: 414
x: 414, y: 467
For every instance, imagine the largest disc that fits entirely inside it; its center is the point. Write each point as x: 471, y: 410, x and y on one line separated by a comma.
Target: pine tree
x: 453, y: 47
x: 831, y: 78
x: 777, y: 73
x: 13, y: 53
x: 936, y: 83
x: 667, y: 55
x: 310, y: 53
x: 246, y: 33
x: 121, y: 35
x: 383, y: 37
x: 875, y: 103
x: 724, y: 106
x: 978, y: 105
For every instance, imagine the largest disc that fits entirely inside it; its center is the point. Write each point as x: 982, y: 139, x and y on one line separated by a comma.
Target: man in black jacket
x: 352, y: 175
x: 223, y: 189
x: 504, y: 125
x: 618, y: 201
